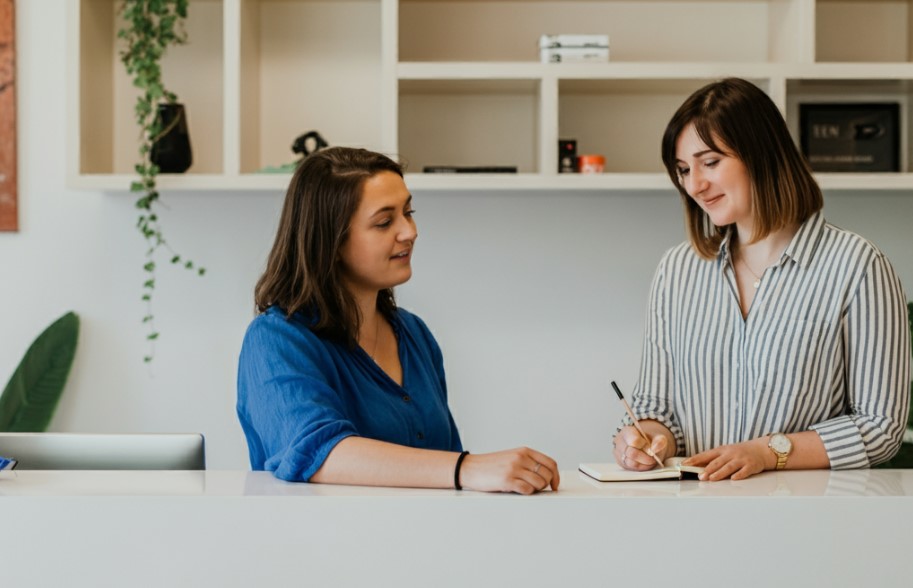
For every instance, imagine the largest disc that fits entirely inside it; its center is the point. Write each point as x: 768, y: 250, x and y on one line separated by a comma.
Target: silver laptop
x: 104, y: 451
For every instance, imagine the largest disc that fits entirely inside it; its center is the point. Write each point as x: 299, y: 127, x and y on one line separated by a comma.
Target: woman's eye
x: 712, y: 162
x: 384, y: 224
x: 682, y: 172
x: 409, y: 212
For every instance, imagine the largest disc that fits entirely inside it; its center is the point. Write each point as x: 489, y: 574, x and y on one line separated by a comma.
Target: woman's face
x: 717, y: 182
x: 378, y: 251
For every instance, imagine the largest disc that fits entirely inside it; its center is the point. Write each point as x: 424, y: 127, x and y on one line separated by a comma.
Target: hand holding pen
x: 635, y: 442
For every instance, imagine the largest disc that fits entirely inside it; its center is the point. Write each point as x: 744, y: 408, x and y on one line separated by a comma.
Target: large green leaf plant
x: 31, y: 396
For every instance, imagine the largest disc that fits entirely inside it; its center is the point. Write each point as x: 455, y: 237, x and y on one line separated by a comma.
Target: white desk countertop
x: 574, y: 485
x: 236, y: 528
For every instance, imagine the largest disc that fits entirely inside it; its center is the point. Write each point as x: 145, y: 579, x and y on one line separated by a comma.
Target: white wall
x: 537, y: 299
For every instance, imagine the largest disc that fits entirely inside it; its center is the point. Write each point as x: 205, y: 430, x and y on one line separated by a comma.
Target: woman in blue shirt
x: 336, y: 384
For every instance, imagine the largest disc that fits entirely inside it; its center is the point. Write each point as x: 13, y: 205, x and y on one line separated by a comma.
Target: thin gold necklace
x: 757, y: 278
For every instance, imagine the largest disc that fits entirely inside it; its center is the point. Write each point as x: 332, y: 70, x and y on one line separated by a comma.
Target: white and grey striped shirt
x: 825, y: 347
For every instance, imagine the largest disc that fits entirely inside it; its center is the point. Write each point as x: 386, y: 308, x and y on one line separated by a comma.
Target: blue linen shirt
x: 300, y: 394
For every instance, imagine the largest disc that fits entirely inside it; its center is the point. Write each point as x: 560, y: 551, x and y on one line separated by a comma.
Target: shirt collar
x: 801, y: 249
x: 725, y: 249
x: 803, y: 246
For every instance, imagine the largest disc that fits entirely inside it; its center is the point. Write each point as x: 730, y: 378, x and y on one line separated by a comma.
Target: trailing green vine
x: 149, y: 28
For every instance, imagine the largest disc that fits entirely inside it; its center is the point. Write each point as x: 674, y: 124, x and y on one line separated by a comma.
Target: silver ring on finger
x: 624, y: 460
x: 536, y: 469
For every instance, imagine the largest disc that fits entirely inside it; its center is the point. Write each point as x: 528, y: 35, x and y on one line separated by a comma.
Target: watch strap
x: 781, y: 460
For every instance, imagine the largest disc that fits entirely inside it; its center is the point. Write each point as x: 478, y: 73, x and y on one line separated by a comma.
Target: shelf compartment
x: 867, y: 31
x: 106, y: 138
x: 469, y: 123
x: 467, y: 30
x: 623, y: 120
x: 308, y: 65
x: 868, y: 90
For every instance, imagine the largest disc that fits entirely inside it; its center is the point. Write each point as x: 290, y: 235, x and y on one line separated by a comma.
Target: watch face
x: 780, y: 443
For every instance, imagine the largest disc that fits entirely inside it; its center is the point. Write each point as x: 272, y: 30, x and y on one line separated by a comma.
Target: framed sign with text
x: 850, y: 137
x: 9, y: 216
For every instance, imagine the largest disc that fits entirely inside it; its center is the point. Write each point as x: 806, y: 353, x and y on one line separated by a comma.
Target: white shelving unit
x: 458, y: 82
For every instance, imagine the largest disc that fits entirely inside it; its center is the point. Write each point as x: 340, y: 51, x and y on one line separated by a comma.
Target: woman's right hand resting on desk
x: 521, y: 470
x: 368, y: 462
x: 631, y: 448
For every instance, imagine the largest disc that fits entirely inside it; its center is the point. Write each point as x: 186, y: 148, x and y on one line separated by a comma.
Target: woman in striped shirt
x: 774, y: 339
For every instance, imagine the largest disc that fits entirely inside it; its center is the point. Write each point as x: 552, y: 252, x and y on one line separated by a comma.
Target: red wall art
x: 9, y: 217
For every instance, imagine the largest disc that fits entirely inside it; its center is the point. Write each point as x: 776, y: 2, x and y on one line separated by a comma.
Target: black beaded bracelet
x: 456, y: 470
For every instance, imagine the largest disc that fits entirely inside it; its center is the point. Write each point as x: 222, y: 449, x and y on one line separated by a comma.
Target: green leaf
x: 31, y: 396
x: 152, y: 336
x: 176, y: 259
x: 149, y: 267
x: 201, y: 271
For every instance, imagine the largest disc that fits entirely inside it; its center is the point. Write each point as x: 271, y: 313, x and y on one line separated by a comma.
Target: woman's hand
x: 522, y: 470
x: 737, y: 461
x: 632, y: 452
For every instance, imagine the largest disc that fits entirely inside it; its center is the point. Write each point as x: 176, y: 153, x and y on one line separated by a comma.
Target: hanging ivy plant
x: 149, y: 28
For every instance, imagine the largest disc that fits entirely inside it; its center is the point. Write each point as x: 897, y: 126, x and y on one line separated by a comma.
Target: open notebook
x: 612, y: 472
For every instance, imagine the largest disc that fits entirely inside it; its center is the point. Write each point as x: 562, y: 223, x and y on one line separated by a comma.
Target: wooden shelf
x: 446, y: 83
x: 608, y: 182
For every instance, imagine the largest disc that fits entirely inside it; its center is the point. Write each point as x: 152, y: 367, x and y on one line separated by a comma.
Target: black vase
x: 171, y: 151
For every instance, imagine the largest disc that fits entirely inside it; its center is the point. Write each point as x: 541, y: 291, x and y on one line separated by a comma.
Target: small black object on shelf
x: 171, y: 149
x: 567, y: 156
x: 462, y: 169
x: 308, y: 143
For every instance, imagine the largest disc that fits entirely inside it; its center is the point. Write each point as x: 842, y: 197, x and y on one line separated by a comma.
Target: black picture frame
x: 851, y: 137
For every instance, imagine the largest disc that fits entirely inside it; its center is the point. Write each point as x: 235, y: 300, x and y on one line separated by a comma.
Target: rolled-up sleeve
x: 877, y: 357
x: 290, y: 414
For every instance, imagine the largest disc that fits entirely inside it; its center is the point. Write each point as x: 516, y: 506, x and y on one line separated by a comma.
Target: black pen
x: 636, y: 423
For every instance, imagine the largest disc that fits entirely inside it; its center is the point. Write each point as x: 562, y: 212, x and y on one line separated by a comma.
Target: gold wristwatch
x: 782, y: 447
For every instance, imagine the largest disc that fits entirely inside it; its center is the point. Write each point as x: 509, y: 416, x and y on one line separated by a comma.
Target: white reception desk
x: 235, y: 528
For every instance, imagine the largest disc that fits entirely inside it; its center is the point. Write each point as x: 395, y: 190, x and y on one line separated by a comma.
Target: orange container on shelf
x: 591, y: 164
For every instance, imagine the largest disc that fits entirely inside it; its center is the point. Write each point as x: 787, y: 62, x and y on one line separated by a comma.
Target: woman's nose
x: 408, y: 231
x: 697, y: 183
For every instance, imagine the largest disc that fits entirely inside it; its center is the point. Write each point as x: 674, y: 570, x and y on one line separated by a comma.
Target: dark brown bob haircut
x: 735, y: 117
x: 303, y: 272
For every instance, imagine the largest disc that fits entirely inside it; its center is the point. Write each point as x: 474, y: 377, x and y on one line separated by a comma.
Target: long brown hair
x: 740, y: 116
x: 303, y: 272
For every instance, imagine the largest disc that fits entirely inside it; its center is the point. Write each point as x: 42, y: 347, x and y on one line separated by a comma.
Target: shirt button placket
x: 741, y: 382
